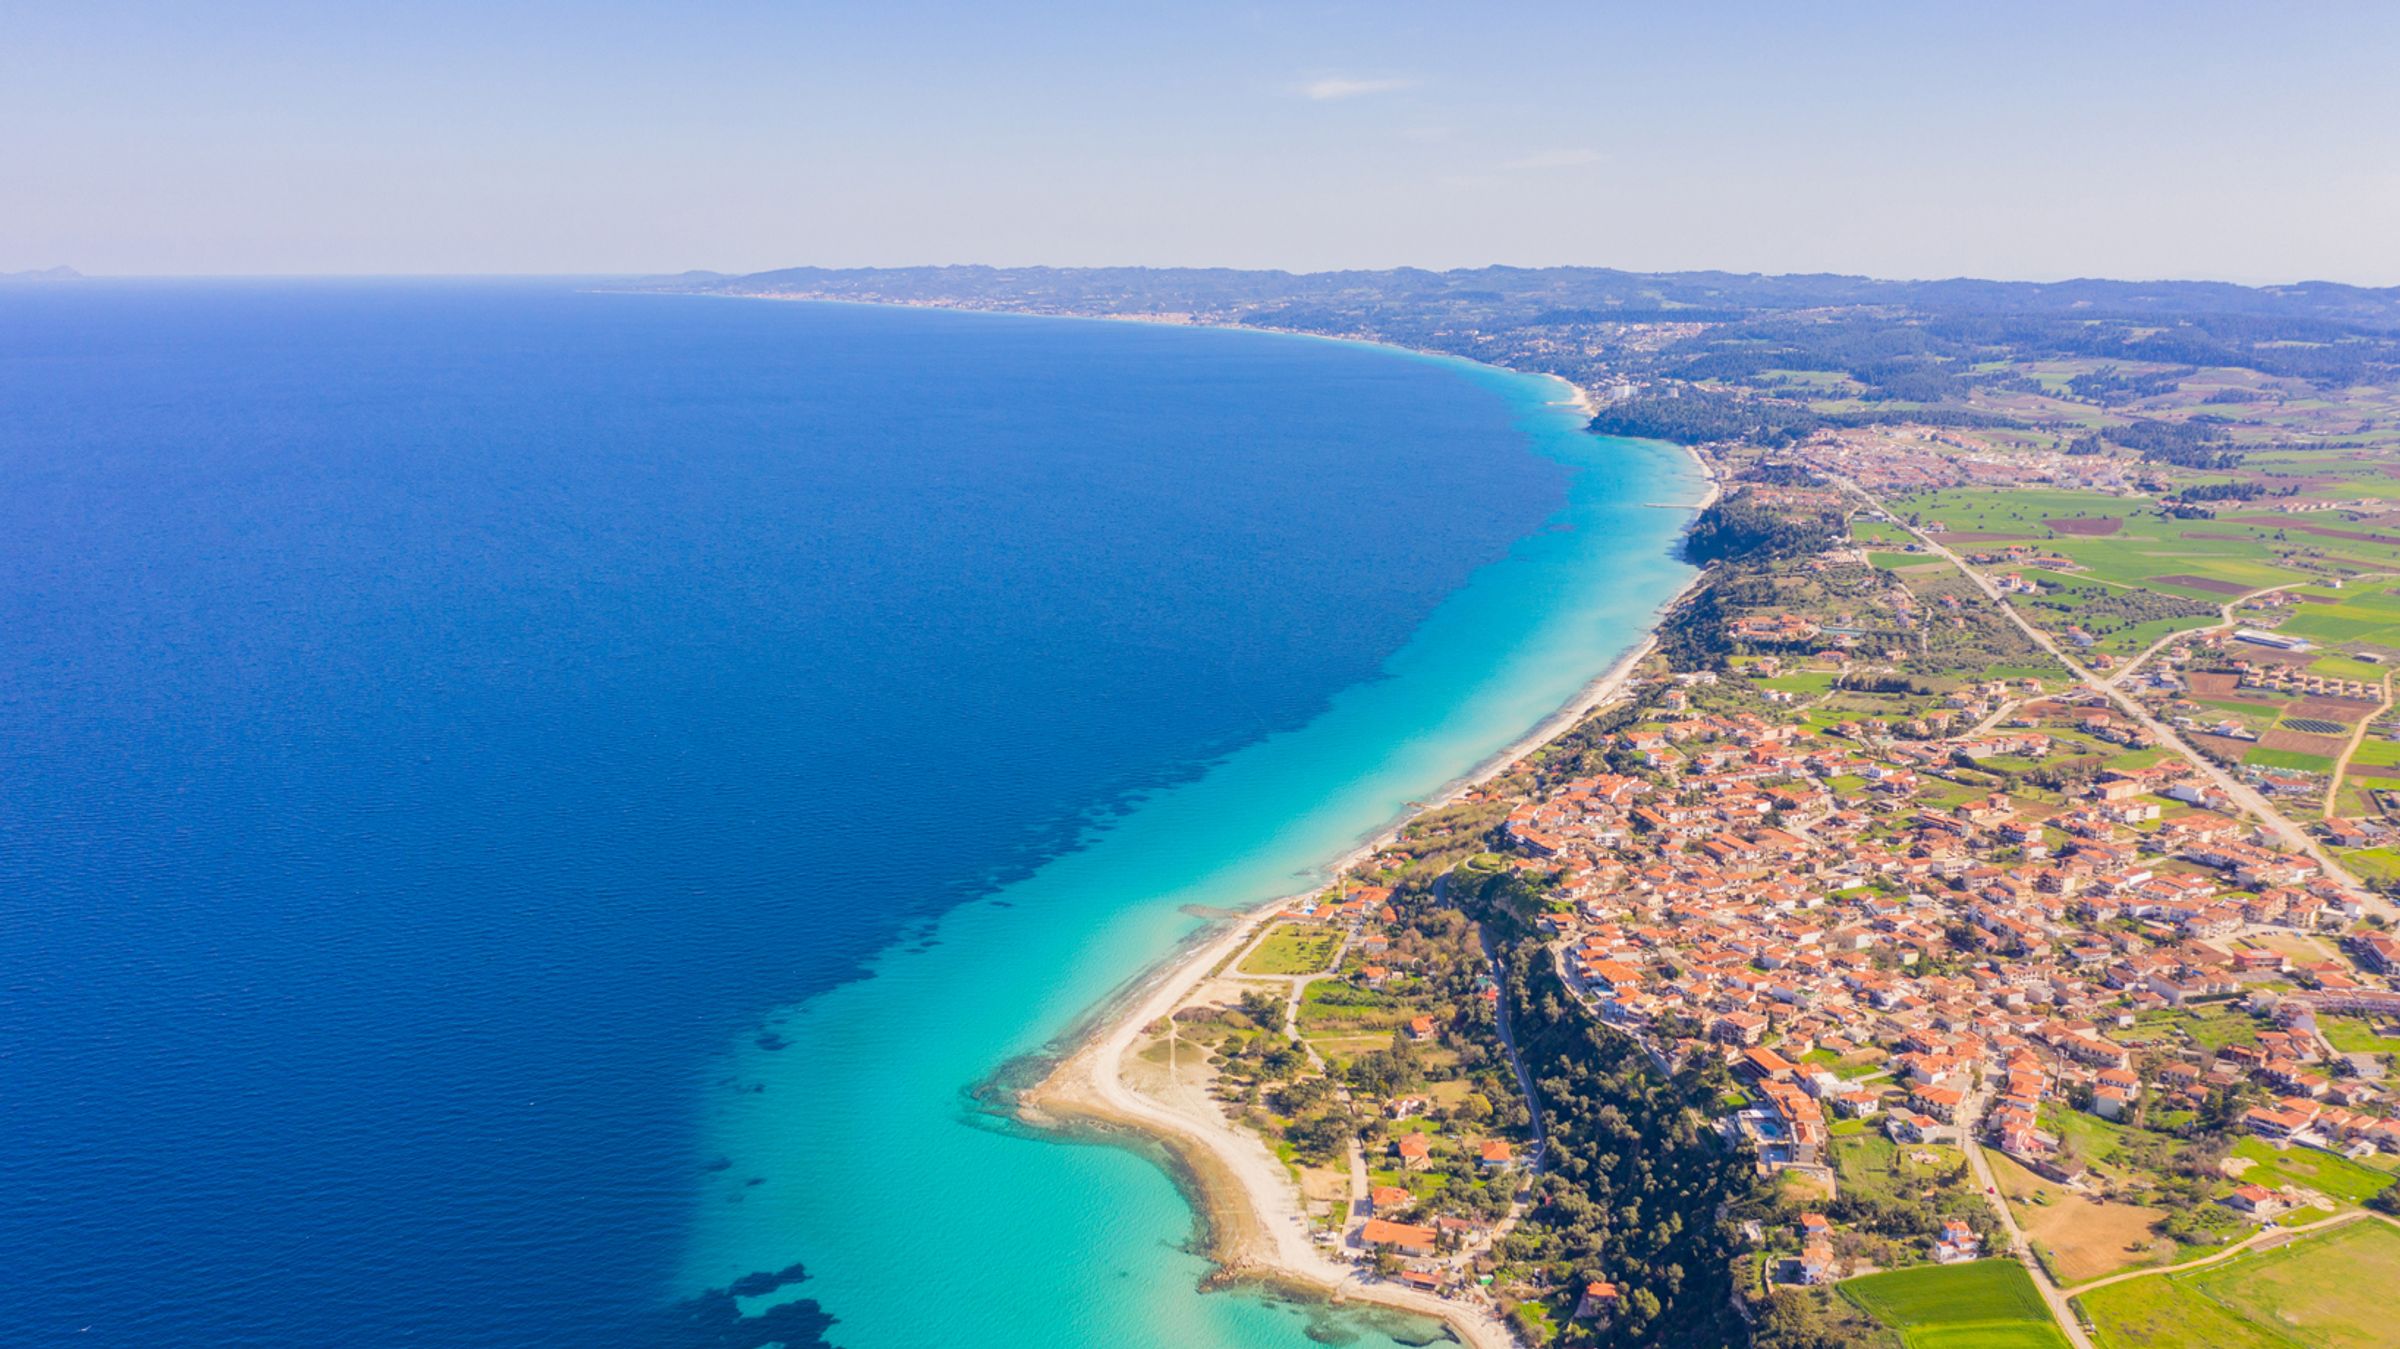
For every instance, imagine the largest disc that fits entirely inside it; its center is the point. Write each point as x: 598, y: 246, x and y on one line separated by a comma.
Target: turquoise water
x: 855, y: 1146
x: 488, y: 771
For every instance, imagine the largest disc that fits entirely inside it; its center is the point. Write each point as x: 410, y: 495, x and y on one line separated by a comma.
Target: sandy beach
x: 1251, y: 1208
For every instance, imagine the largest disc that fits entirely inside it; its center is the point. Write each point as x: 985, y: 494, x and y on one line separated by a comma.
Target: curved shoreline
x: 1245, y: 1201
x: 1247, y: 1207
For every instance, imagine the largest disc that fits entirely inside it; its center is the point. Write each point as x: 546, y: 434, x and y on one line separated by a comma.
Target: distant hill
x: 1568, y: 294
x: 44, y: 274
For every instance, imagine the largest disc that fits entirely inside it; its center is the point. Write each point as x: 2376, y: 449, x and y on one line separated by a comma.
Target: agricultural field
x: 1983, y: 1304
x: 2130, y: 542
x: 2363, y: 614
x: 2330, y: 1292
x: 1293, y: 948
x: 2292, y: 760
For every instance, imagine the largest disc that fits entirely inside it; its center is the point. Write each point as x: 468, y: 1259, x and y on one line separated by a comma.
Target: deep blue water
x: 435, y: 720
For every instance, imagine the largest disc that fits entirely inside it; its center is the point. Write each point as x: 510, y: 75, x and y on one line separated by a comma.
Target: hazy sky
x: 2249, y: 142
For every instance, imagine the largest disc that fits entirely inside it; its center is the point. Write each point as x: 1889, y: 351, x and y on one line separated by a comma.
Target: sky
x: 2253, y: 143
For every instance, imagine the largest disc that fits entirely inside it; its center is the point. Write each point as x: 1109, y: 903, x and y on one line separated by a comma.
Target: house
x: 1406, y: 1238
x: 1956, y: 1243
x: 2257, y: 1201
x: 1599, y: 1299
x: 1498, y: 1154
x: 1764, y: 1065
x: 1416, y: 1151
x: 1421, y: 1028
x: 2270, y: 1122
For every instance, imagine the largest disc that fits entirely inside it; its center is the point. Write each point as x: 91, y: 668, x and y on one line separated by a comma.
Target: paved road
x: 1980, y: 1171
x: 2239, y: 792
x: 1508, y: 1042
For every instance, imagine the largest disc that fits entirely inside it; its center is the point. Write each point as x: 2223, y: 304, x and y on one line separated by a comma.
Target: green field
x: 2332, y: 1291
x: 1293, y: 948
x: 2374, y: 752
x: 2337, y: 1178
x: 2209, y: 1027
x: 2288, y: 758
x: 2373, y: 864
x: 2146, y: 545
x: 2356, y: 1035
x: 2366, y: 612
x: 1985, y: 1304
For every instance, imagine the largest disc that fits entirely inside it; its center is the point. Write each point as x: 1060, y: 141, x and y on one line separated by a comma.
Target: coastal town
x: 1998, y: 960
x: 1968, y: 920
x: 1990, y: 968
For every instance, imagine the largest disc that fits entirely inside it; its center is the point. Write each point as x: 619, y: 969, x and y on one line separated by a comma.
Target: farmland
x: 2201, y: 559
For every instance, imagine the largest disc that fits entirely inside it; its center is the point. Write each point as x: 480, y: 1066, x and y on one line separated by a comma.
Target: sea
x: 541, y: 815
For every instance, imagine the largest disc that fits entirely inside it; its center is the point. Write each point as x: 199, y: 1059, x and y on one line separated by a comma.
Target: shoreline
x: 1578, y: 397
x: 1245, y: 1203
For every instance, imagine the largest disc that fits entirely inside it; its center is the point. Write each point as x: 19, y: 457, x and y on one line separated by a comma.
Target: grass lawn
x: 1873, y: 1164
x: 1293, y: 948
x: 2356, y: 1035
x: 1983, y: 1304
x: 2374, y: 864
x: 2332, y: 1291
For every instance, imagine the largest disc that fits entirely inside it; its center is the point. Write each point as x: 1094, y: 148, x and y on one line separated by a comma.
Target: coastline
x: 1245, y: 1200
x: 1246, y: 1204
x: 1578, y: 397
